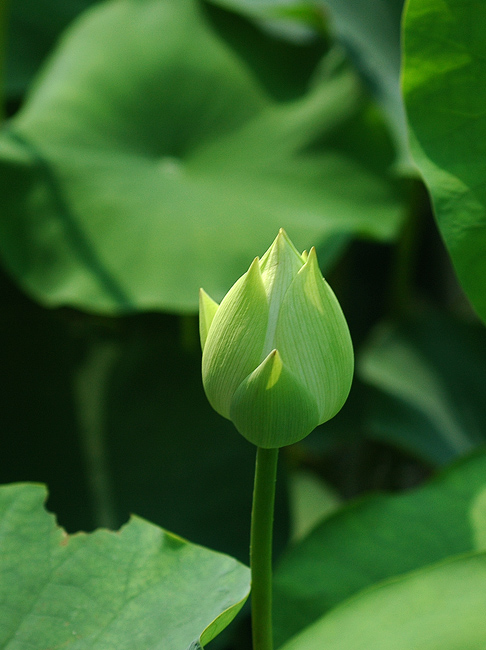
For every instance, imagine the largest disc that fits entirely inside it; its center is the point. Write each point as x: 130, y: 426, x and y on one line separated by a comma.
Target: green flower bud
x: 277, y: 354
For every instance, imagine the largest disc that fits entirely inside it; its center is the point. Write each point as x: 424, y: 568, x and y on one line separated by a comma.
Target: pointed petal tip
x: 254, y: 269
x: 285, y: 244
x: 280, y: 239
x: 207, y: 310
x: 282, y: 235
x: 311, y: 262
x: 204, y: 296
x: 273, y: 360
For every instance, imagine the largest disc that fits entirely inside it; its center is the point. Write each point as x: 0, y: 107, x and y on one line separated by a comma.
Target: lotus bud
x: 277, y: 354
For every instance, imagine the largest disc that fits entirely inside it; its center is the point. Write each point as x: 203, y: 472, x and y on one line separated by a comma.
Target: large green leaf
x: 445, y: 94
x: 155, y: 155
x: 438, y: 608
x: 428, y: 376
x: 140, y: 587
x: 377, y: 538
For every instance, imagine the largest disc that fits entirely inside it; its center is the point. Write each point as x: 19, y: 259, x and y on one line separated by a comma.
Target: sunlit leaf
x: 138, y: 587
x: 445, y: 94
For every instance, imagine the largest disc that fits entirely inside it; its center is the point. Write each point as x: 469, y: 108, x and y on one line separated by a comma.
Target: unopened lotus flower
x: 277, y: 354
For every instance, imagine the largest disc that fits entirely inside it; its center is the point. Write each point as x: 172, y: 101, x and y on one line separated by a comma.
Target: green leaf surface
x: 377, y: 538
x: 140, y: 587
x: 438, y: 608
x: 428, y: 375
x: 126, y: 185
x: 445, y: 95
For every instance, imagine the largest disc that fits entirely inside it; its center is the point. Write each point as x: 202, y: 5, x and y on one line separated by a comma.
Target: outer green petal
x: 235, y: 339
x: 271, y: 408
x: 279, y: 266
x: 313, y: 338
x: 207, y: 310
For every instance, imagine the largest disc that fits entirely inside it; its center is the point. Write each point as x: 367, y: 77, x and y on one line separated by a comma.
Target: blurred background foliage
x: 155, y: 146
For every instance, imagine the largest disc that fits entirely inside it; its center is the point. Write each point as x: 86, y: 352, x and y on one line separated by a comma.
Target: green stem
x: 261, y: 548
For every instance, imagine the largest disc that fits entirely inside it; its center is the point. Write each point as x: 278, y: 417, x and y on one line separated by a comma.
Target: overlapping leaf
x: 377, y: 538
x: 438, y: 608
x: 427, y: 376
x: 369, y: 30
